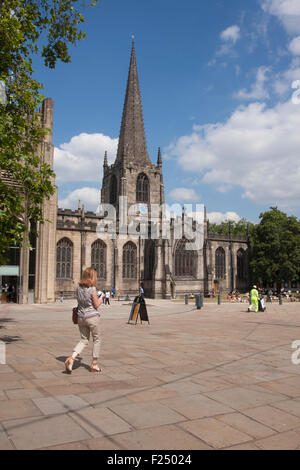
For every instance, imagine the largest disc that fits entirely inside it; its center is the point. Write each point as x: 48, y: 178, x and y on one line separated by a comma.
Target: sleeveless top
x: 85, y: 303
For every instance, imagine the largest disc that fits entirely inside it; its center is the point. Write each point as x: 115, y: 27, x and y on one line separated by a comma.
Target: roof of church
x: 132, y: 146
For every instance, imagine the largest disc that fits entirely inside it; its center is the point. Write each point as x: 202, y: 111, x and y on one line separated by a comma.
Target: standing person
x: 88, y: 319
x: 142, y: 293
x: 254, y: 299
x: 107, y: 296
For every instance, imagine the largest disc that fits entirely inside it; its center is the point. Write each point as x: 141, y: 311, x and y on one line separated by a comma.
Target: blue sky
x: 216, y: 84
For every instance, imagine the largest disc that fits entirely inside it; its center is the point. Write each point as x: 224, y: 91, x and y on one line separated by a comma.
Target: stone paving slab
x: 13, y: 409
x: 240, y: 398
x: 221, y: 378
x: 245, y: 424
x: 35, y: 433
x: 100, y: 422
x: 168, y: 437
x: 276, y: 419
x: 196, y: 406
x: 290, y: 406
x: 145, y: 415
x: 215, y: 433
x: 283, y: 441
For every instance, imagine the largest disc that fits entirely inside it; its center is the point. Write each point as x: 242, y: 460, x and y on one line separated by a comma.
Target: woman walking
x: 88, y: 319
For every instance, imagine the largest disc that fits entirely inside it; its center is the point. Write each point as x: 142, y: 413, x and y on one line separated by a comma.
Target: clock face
x: 2, y: 92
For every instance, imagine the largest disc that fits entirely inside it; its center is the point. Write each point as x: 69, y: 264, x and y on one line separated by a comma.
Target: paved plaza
x: 216, y: 378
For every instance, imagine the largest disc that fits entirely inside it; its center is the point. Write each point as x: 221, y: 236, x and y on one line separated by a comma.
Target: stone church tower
x: 140, y: 181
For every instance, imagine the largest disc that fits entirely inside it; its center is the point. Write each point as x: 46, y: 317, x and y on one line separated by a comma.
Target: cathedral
x: 70, y: 240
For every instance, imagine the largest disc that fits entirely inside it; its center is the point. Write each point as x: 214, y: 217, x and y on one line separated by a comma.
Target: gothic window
x: 185, y: 260
x: 98, y: 258
x: 129, y: 261
x: 149, y: 257
x: 220, y: 263
x: 113, y: 193
x: 142, y: 188
x: 241, y: 265
x: 64, y: 259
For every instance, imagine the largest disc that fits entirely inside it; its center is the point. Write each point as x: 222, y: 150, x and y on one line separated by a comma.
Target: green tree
x: 28, y: 27
x: 275, y: 248
x: 242, y: 227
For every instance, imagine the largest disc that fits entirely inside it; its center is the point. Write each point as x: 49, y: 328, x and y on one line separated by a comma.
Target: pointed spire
x: 159, y: 159
x: 132, y: 140
x: 105, y: 162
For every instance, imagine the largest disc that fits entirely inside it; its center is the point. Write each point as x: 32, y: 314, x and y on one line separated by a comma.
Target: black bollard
x: 219, y: 299
x: 198, y: 302
x: 280, y: 299
x: 201, y: 300
x: 186, y: 299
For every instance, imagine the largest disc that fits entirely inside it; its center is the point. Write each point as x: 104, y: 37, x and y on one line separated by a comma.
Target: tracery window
x: 142, y: 188
x: 64, y: 259
x: 98, y: 258
x: 220, y: 263
x: 113, y: 190
x: 185, y: 260
x: 149, y: 257
x: 129, y: 261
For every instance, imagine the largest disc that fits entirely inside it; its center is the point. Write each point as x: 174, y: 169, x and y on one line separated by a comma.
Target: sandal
x: 69, y: 364
x: 95, y: 368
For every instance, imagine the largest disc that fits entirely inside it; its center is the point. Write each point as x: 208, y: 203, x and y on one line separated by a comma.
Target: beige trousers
x: 86, y: 327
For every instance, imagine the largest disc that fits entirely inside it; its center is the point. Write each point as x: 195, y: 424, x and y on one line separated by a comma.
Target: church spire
x: 159, y: 159
x: 105, y: 162
x: 132, y: 147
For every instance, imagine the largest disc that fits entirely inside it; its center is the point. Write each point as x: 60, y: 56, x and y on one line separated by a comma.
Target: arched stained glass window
x: 220, y: 263
x: 185, y: 260
x: 149, y: 257
x: 113, y: 190
x: 142, y: 188
x: 64, y: 259
x: 129, y: 261
x: 98, y: 258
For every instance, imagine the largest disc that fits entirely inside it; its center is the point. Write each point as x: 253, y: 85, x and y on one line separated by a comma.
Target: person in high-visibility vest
x: 254, y: 299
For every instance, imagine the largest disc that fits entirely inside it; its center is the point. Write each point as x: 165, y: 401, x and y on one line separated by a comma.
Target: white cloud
x: 90, y: 197
x: 257, y: 148
x: 231, y: 34
x: 288, y: 12
x: 283, y: 81
x: 184, y: 195
x: 81, y: 159
x: 258, y: 90
x: 228, y: 37
x: 294, y: 46
x: 218, y: 217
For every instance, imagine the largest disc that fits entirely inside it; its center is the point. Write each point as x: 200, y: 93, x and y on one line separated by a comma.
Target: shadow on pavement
x: 10, y: 339
x: 5, y: 320
x: 76, y: 365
